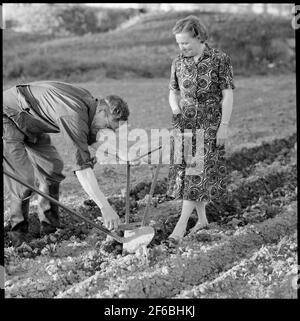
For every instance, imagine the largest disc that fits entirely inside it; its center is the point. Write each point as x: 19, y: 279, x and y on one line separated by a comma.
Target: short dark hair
x: 193, y: 25
x: 117, y: 106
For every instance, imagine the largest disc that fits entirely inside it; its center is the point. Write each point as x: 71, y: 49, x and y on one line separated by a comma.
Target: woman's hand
x: 222, y: 135
x: 177, y: 112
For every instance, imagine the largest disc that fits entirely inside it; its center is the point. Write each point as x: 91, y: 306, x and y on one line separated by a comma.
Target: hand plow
x: 138, y: 238
x: 130, y: 247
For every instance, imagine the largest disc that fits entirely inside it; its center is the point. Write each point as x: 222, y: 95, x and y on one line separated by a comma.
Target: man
x: 32, y: 111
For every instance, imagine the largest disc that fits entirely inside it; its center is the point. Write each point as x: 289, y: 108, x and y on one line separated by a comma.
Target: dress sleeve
x: 173, y: 85
x: 225, y: 73
x: 75, y: 132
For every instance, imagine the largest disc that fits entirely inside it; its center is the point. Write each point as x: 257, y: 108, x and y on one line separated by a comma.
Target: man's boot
x: 19, y: 231
x: 48, y: 211
x: 19, y: 210
x: 19, y: 234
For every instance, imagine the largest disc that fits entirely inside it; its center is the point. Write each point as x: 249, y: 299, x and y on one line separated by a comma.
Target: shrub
x: 110, y: 19
x: 77, y: 20
x: 146, y: 48
x: 65, y: 19
x: 248, y: 38
x: 39, y: 67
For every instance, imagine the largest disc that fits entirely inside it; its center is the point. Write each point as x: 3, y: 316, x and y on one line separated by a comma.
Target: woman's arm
x: 174, y: 102
x: 227, y: 102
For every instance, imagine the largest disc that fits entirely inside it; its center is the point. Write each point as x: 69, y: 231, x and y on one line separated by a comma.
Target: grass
x: 144, y: 49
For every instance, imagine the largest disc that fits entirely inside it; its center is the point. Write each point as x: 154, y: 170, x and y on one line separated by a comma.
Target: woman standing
x: 201, y: 99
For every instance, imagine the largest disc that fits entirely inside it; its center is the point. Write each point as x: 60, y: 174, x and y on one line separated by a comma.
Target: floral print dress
x: 200, y: 85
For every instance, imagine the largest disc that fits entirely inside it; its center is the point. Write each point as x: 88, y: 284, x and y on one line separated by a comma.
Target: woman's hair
x: 193, y: 25
x: 117, y: 107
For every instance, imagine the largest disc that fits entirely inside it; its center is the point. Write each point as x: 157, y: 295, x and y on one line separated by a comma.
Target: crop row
x: 270, y: 272
x: 171, y: 275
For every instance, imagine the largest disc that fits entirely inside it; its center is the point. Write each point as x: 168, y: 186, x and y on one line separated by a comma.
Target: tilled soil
x: 248, y: 250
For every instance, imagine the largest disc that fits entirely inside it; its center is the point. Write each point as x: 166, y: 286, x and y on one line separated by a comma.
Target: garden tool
x: 142, y: 156
x: 151, y: 191
x: 127, y: 233
x: 139, y: 237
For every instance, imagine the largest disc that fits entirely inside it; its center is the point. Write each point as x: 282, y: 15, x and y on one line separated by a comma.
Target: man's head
x: 111, y: 111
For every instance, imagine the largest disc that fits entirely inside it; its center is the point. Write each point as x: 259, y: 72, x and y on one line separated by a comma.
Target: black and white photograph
x: 149, y: 152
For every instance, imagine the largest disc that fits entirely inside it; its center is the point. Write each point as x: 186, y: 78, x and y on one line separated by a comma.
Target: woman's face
x: 188, y: 45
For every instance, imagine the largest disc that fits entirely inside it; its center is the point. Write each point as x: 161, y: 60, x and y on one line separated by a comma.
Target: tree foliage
x: 63, y: 20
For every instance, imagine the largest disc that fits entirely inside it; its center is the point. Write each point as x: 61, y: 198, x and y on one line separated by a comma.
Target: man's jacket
x: 53, y: 107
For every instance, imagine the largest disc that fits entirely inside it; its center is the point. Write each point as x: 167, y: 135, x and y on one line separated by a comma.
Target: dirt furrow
x: 168, y: 278
x: 270, y: 272
x: 267, y: 152
x: 76, y: 262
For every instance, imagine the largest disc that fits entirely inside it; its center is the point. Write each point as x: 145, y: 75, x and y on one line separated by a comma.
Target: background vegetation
x: 78, y: 43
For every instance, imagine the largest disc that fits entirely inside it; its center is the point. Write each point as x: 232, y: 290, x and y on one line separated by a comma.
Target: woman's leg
x: 180, y: 228
x: 202, y: 219
x: 201, y: 211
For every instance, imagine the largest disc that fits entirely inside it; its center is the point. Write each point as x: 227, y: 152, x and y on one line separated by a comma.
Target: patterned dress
x: 200, y: 84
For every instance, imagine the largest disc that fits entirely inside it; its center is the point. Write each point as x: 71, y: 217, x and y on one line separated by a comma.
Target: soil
x: 249, y: 249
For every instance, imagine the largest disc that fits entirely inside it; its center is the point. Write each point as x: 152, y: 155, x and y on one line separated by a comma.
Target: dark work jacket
x: 54, y: 107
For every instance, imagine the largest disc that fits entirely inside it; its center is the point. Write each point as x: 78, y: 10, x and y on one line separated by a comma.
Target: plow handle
x: 152, y: 190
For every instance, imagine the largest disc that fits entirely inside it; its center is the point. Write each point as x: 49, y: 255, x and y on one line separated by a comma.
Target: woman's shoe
x: 172, y: 242
x: 199, y: 226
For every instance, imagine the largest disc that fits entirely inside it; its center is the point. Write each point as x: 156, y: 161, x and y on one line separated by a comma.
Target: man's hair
x: 193, y: 25
x: 117, y: 107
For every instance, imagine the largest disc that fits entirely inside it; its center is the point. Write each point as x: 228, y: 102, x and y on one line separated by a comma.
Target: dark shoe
x: 46, y: 208
x: 7, y: 227
x: 18, y: 234
x: 17, y: 238
x: 47, y: 228
x: 53, y: 218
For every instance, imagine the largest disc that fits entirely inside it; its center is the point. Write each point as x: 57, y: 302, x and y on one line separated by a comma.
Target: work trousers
x: 29, y: 160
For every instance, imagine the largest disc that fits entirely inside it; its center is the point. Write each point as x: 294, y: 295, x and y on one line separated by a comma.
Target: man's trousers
x: 28, y: 161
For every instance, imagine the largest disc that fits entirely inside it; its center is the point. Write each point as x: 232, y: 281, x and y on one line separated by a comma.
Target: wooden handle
x: 127, y: 193
x: 152, y: 190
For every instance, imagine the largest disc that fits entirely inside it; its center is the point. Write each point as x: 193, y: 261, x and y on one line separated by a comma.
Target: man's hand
x: 111, y: 219
x: 135, y: 162
x: 222, y: 135
x: 140, y: 161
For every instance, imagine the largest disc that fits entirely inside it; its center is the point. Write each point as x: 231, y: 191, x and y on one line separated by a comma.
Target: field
x: 145, y: 47
x: 250, y: 247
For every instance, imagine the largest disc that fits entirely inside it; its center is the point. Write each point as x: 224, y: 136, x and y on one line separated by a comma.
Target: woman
x: 201, y: 99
